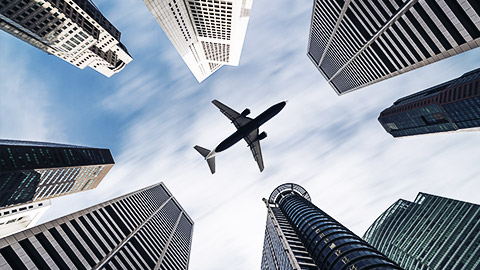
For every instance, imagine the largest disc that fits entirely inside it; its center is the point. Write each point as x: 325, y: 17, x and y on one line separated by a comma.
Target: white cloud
x: 24, y: 99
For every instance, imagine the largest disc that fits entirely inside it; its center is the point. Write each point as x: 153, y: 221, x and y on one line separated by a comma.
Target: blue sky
x: 152, y: 113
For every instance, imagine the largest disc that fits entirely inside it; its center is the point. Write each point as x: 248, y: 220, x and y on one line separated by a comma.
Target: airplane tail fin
x: 204, y: 152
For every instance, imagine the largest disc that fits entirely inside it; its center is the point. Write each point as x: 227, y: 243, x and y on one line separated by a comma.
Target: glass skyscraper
x: 357, y: 43
x: 35, y: 171
x: 146, y: 229
x: 449, y: 107
x: 299, y: 235
x: 433, y: 233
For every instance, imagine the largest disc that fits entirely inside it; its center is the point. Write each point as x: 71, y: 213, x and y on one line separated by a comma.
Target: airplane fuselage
x: 245, y: 130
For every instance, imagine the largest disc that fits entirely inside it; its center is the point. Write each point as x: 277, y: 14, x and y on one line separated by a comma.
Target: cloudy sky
x: 152, y: 113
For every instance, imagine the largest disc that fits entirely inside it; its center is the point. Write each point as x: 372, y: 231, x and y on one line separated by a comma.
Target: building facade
x: 17, y: 218
x: 36, y: 171
x: 357, y: 43
x: 146, y: 229
x: 430, y: 233
x: 299, y: 235
x: 206, y: 33
x: 75, y: 31
x: 452, y: 106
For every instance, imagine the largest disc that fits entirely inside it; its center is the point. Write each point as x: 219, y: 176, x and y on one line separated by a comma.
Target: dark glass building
x: 357, y: 43
x: 433, y: 233
x: 146, y: 229
x: 448, y: 107
x: 299, y: 235
x: 75, y: 31
x: 35, y: 171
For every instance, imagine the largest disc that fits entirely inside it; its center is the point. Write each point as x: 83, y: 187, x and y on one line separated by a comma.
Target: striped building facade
x: 299, y: 235
x: 433, y: 233
x: 35, y: 171
x: 146, y: 229
x: 358, y: 43
x: 453, y: 106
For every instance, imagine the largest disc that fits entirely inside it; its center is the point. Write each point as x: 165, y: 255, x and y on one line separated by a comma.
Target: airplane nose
x: 286, y: 101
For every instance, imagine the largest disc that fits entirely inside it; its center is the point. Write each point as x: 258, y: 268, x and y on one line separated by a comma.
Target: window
x: 210, y: 21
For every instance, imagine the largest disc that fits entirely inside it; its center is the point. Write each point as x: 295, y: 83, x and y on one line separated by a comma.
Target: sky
x: 151, y: 114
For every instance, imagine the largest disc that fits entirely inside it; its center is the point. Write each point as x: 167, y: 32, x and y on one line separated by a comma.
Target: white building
x: 206, y: 33
x: 20, y: 217
x: 75, y: 31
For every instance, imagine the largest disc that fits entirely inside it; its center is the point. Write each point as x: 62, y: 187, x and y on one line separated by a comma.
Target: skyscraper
x: 430, y: 233
x: 146, y: 229
x: 299, y: 235
x: 20, y: 217
x: 35, y: 171
x: 206, y: 33
x: 449, y: 107
x: 75, y: 31
x: 357, y: 43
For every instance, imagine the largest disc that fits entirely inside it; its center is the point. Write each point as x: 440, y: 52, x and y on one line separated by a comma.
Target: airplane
x: 247, y: 128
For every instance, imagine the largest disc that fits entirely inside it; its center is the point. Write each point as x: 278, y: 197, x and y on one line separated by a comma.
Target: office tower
x: 449, y: 107
x: 20, y: 217
x: 206, y: 33
x: 35, y: 171
x: 76, y: 31
x: 299, y: 235
x: 357, y: 43
x: 430, y: 233
x: 146, y: 229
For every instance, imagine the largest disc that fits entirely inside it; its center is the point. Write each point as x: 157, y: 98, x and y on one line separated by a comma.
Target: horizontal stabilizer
x: 211, y: 164
x: 203, y: 151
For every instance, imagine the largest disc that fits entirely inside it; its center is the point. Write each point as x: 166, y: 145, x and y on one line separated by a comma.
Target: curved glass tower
x: 299, y: 235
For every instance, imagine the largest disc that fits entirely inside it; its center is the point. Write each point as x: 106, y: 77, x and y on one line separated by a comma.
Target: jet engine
x: 262, y: 136
x: 246, y: 112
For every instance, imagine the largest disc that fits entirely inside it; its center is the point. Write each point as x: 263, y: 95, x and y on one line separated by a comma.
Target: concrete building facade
x: 73, y: 30
x: 19, y: 217
x: 206, y: 33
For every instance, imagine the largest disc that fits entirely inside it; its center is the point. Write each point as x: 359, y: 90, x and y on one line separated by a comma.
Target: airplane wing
x: 254, y: 145
x: 237, y: 119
